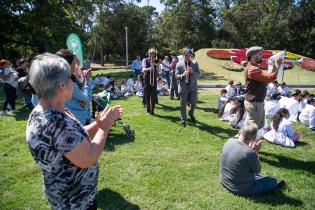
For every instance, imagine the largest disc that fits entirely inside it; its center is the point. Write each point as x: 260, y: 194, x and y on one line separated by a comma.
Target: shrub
x: 232, y: 66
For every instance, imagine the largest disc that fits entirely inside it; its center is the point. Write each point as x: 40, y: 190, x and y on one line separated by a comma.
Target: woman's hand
x: 108, y: 117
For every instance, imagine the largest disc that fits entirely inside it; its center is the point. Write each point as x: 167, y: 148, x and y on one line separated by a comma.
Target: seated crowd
x: 282, y: 107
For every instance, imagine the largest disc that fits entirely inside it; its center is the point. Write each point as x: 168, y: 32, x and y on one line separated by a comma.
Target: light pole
x: 126, y: 30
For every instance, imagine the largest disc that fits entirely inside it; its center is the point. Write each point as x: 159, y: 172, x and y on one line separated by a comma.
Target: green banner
x: 74, y: 43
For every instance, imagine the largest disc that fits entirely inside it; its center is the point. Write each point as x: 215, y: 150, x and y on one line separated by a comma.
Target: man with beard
x: 257, y: 81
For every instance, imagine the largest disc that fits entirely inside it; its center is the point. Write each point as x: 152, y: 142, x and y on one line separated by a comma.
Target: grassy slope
x: 213, y: 73
x: 166, y: 167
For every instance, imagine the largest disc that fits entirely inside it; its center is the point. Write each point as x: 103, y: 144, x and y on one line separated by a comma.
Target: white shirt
x: 226, y: 113
x: 230, y: 91
x: 130, y: 83
x: 283, y: 135
x: 284, y: 90
x: 271, y: 108
x: 138, y: 86
x: 307, y: 114
x: 271, y: 90
x: 166, y: 65
x: 292, y: 105
x: 221, y: 101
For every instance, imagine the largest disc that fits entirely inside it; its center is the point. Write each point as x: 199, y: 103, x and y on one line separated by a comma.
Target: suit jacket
x: 183, y: 86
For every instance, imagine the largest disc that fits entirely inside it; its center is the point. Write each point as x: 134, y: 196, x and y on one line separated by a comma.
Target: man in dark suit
x: 187, y: 72
x: 150, y: 84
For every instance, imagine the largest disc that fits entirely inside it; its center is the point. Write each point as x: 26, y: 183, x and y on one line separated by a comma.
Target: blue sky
x: 155, y: 3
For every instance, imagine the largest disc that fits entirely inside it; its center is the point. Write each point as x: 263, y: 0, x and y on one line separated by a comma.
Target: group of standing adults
x: 183, y: 81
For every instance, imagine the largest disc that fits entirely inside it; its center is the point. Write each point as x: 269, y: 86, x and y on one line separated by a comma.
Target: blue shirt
x: 81, y: 113
x: 136, y: 64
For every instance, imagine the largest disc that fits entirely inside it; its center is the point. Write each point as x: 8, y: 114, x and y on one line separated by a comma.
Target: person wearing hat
x: 150, y: 72
x: 256, y: 82
x: 307, y: 116
x: 173, y: 82
x: 187, y: 73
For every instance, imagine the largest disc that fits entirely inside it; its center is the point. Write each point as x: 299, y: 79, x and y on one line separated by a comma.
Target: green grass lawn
x: 166, y: 167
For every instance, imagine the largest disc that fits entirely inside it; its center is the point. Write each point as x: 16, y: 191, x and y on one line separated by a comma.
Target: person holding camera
x: 79, y: 104
x: 66, y: 151
x: 256, y: 82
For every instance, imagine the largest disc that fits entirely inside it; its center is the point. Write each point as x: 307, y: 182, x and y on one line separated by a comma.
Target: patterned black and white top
x: 50, y: 134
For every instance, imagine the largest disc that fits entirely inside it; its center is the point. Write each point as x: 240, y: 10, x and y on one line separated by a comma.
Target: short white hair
x: 46, y: 72
x: 248, y: 131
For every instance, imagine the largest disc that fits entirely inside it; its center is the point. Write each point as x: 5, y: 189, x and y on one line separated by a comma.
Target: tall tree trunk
x: 94, y: 49
x: 102, y: 57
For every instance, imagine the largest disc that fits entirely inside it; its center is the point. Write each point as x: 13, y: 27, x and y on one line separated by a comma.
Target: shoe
x: 192, y: 117
x: 184, y: 123
x: 152, y: 113
x: 12, y: 112
x: 4, y: 113
x: 280, y: 184
x: 148, y: 113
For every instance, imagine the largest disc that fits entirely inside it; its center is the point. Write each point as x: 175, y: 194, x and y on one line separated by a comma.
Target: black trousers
x: 10, y: 96
x: 150, y: 98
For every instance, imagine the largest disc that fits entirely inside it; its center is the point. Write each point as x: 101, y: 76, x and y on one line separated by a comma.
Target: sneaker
x: 184, y: 123
x: 3, y: 113
x: 281, y: 184
x: 11, y: 112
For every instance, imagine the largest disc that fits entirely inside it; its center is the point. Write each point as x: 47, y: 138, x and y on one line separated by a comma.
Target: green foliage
x: 35, y: 27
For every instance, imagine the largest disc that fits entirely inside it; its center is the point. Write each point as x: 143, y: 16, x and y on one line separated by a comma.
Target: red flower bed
x: 308, y: 64
x: 219, y: 54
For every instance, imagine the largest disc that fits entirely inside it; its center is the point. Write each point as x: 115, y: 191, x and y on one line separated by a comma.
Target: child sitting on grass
x: 282, y: 132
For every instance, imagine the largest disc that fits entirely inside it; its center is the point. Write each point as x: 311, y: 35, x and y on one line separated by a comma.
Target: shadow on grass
x: 205, y: 109
x: 210, y: 76
x: 213, y: 130
x: 168, y: 108
x: 115, y: 138
x: 287, y: 162
x: 277, y: 198
x: 108, y: 199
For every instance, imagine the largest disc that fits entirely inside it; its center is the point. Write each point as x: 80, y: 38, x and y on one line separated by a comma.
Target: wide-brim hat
x: 187, y: 51
x: 152, y: 50
x: 253, y: 50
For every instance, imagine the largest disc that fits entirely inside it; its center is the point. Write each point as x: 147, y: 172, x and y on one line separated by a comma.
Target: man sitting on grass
x: 240, y: 167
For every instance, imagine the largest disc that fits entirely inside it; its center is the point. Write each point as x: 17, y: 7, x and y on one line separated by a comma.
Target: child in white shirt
x: 282, y: 132
x: 307, y: 116
x: 222, y: 98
